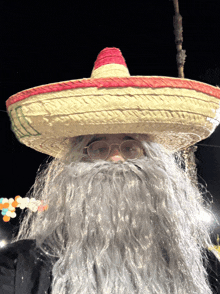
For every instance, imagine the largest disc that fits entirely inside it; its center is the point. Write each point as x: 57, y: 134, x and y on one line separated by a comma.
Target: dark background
x: 58, y: 41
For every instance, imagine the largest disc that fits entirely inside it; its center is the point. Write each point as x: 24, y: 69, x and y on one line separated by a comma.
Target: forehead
x: 107, y: 137
x: 115, y: 138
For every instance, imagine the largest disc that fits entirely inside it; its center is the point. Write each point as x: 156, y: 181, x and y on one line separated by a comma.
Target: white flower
x: 11, y: 214
x: 33, y: 206
x: 23, y: 204
x: 11, y: 207
x: 19, y: 199
x: 8, y: 213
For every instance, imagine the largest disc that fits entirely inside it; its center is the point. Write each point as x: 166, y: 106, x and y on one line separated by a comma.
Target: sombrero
x: 172, y: 111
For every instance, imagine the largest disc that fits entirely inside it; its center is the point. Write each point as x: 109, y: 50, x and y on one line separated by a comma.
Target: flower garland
x: 8, y: 206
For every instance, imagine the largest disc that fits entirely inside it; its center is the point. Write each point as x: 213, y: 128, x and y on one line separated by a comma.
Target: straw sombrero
x: 172, y: 111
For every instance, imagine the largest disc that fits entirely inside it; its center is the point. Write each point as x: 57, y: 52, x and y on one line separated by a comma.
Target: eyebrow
x: 95, y: 139
x: 128, y: 138
x: 100, y: 138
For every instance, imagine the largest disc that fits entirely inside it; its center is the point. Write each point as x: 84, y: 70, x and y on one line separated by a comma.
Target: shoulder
x: 8, y: 261
x: 213, y: 256
x: 213, y: 268
x: 23, y: 267
x: 215, y: 250
x: 9, y: 254
x: 12, y: 249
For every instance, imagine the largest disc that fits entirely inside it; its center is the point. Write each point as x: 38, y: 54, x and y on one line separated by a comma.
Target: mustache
x: 81, y: 169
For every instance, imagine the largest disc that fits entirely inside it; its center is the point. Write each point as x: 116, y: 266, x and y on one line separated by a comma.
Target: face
x: 115, y: 155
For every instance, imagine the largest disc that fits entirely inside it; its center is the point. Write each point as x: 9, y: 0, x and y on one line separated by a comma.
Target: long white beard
x: 122, y: 228
x: 131, y: 230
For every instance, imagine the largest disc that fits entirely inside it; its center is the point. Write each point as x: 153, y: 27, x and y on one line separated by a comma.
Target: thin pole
x: 176, y: 6
x: 188, y: 154
x: 178, y: 31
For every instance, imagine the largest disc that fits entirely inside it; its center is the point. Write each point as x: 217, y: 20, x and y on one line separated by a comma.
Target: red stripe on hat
x: 139, y: 82
x: 108, y: 56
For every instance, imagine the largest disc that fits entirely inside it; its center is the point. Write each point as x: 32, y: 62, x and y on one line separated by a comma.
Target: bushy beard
x: 131, y: 229
x: 128, y: 227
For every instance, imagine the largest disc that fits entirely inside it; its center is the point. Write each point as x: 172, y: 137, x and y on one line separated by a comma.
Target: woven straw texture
x: 174, y: 112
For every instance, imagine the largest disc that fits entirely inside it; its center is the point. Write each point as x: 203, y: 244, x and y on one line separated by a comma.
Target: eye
x: 127, y: 149
x: 99, y: 150
x: 131, y: 149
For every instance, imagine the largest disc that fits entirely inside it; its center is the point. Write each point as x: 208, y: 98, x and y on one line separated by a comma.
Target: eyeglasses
x: 130, y: 149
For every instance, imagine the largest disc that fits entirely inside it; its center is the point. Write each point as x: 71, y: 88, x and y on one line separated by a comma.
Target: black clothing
x: 24, y: 269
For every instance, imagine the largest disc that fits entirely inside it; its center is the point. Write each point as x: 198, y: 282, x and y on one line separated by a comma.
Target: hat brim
x: 174, y: 112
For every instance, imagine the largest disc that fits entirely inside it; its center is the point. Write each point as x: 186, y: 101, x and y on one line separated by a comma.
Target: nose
x: 115, y: 155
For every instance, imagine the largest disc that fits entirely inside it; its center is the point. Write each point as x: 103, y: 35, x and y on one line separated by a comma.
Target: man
x: 122, y: 216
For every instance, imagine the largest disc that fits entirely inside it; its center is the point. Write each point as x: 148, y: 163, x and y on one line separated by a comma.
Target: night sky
x: 59, y: 41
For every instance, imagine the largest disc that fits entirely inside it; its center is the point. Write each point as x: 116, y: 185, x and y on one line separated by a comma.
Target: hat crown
x: 110, y: 63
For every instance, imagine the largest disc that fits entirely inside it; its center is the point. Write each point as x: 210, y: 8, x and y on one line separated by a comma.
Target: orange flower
x: 40, y: 208
x: 14, y: 203
x: 6, y: 205
x: 6, y: 218
x: 46, y: 207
